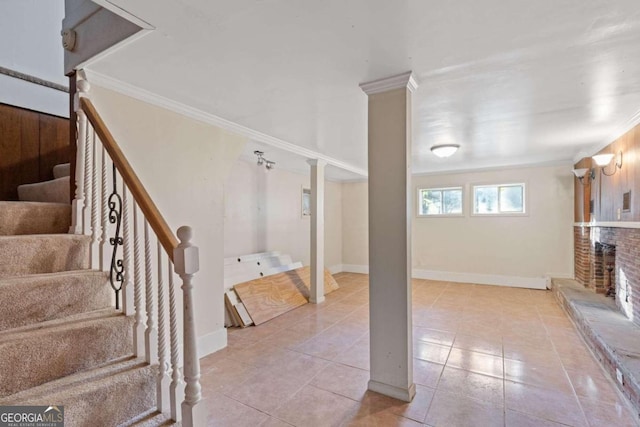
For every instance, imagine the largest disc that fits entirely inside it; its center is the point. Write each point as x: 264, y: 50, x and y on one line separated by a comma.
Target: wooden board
x: 271, y: 296
x: 234, y: 319
x: 304, y: 274
x: 243, y: 314
x: 237, y: 312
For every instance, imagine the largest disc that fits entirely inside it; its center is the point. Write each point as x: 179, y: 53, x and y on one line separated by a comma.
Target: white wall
x: 263, y: 213
x: 183, y: 164
x: 31, y: 44
x: 481, y: 248
x: 355, y: 224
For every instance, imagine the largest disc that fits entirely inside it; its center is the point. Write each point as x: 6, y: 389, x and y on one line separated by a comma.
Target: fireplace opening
x: 604, y: 269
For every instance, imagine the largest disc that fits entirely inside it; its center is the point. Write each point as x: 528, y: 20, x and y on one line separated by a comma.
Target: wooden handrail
x: 157, y: 222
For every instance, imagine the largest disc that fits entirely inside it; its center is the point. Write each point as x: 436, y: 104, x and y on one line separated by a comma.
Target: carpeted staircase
x: 61, y: 340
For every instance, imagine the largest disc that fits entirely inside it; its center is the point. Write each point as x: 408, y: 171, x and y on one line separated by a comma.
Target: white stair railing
x: 121, y: 246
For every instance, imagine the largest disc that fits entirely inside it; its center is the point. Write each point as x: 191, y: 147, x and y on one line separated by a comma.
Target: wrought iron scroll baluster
x: 116, y: 276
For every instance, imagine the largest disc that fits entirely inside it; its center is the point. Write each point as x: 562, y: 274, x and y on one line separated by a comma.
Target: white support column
x: 390, y: 196
x: 316, y: 296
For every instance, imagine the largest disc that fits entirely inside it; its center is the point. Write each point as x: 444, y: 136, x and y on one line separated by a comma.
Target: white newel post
x: 186, y: 262
x: 77, y: 205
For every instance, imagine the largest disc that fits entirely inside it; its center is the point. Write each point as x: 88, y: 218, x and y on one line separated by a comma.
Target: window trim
x: 525, y: 199
x: 462, y: 188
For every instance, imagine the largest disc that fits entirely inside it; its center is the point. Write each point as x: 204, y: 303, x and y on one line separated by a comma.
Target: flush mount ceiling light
x: 603, y: 160
x: 581, y: 173
x: 262, y: 161
x: 444, y: 150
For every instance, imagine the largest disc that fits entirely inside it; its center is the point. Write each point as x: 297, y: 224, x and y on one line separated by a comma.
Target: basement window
x: 440, y: 201
x: 499, y: 199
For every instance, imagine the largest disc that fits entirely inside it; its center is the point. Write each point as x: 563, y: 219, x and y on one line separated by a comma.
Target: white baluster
x: 139, y: 326
x: 186, y: 261
x: 95, y: 207
x: 77, y: 205
x: 151, y: 333
x: 88, y: 158
x: 104, y: 238
x: 177, y: 385
x: 127, y: 283
x: 164, y: 380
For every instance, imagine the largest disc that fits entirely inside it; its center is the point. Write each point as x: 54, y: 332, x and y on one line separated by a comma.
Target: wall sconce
x: 262, y: 161
x: 444, y: 150
x: 603, y: 160
x: 581, y: 173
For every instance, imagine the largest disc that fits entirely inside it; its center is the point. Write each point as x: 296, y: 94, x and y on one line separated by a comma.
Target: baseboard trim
x: 482, y: 279
x: 336, y: 269
x: 212, y: 342
x: 404, y: 394
x: 477, y: 278
x: 355, y: 268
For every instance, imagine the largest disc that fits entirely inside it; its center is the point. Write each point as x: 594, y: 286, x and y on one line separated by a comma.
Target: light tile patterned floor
x: 484, y: 356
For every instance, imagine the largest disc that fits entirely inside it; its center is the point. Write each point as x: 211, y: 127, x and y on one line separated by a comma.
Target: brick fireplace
x: 604, y: 254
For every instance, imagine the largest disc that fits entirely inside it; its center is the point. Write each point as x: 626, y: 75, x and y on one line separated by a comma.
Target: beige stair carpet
x: 109, y: 395
x: 65, y: 294
x: 17, y: 218
x: 45, y: 253
x: 62, y: 170
x: 61, y: 339
x: 54, y: 191
x: 54, y: 349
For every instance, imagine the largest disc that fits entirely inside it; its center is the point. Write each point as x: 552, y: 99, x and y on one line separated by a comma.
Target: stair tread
x: 43, y: 253
x: 106, y: 395
x: 82, y: 379
x: 61, y: 170
x: 45, y: 351
x: 70, y: 322
x: 47, y: 236
x: 26, y: 218
x: 35, y: 184
x: 55, y: 190
x: 46, y: 276
x: 33, y: 204
x: 38, y: 298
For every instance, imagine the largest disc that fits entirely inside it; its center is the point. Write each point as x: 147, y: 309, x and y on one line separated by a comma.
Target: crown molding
x: 404, y: 80
x: 159, y: 101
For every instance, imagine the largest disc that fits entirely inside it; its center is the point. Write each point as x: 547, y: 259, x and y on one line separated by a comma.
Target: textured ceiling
x: 514, y: 83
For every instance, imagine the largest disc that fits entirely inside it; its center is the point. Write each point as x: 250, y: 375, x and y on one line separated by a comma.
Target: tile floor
x: 484, y: 356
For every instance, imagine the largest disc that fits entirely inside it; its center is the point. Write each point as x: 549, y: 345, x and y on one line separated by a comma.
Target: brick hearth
x: 592, y: 273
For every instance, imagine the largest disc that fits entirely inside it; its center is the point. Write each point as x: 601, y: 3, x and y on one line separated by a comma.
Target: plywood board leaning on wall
x: 269, y: 297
